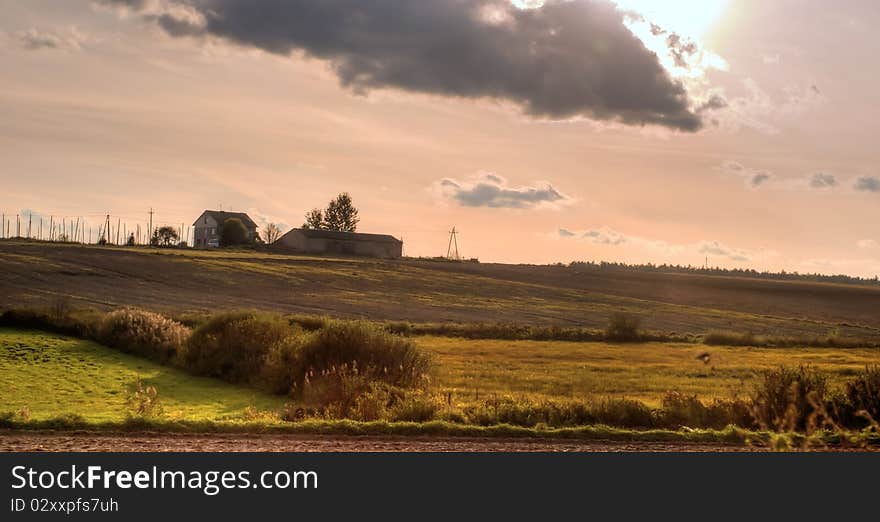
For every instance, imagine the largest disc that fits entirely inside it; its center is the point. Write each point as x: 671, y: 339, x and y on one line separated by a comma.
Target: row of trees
x: 605, y: 266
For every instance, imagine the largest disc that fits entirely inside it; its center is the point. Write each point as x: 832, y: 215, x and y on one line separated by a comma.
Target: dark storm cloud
x: 491, y: 190
x: 562, y: 60
x: 867, y: 184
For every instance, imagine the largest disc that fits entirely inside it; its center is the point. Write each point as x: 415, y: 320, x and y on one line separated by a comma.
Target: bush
x: 234, y: 346
x: 143, y: 333
x: 730, y: 339
x: 682, y: 410
x: 787, y: 399
x: 623, y: 327
x: 309, y: 323
x: 626, y: 413
x: 81, y: 324
x: 143, y: 401
x: 345, y: 393
x: 859, y: 404
x: 366, y: 349
x: 415, y: 407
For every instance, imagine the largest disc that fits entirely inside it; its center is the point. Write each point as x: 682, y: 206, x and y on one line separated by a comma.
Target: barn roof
x: 220, y: 216
x: 312, y: 233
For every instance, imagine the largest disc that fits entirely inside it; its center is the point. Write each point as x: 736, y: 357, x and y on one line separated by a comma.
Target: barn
x: 312, y: 241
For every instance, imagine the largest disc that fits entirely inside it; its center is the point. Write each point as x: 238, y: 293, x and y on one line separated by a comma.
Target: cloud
x: 821, y: 180
x: 867, y: 244
x: 34, y: 40
x: 559, y: 59
x: 610, y: 237
x: 605, y: 236
x: 867, y: 184
x: 716, y: 248
x: 753, y: 178
x: 262, y: 220
x: 491, y: 190
x: 758, y: 110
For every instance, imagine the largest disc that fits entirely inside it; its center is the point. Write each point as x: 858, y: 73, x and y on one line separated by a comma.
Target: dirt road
x: 83, y: 441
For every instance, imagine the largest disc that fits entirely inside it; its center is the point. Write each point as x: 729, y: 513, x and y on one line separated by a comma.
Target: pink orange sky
x: 741, y: 131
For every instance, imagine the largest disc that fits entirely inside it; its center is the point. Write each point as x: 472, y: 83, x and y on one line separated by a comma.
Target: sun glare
x: 693, y: 18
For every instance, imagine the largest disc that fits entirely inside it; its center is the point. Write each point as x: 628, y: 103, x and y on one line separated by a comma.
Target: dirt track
x: 81, y: 441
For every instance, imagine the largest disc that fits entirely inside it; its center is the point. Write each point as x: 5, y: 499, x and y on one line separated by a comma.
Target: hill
x: 52, y: 376
x: 177, y: 281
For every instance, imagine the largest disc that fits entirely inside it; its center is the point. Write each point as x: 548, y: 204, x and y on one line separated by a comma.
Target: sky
x: 738, y: 132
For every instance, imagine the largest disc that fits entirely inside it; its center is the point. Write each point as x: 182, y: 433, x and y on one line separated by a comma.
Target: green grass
x: 53, y: 375
x: 478, y: 369
x: 67, y: 383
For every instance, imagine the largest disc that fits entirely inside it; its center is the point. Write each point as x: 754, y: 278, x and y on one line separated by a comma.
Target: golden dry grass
x: 474, y: 369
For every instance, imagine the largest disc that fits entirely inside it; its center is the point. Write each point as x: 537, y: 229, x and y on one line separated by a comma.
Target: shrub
x: 143, y: 401
x: 81, y: 324
x: 626, y: 413
x: 786, y: 399
x: 60, y: 309
x: 233, y: 346
x: 415, y: 407
x: 143, y: 333
x: 344, y: 392
x: 309, y: 323
x: 730, y: 339
x: 859, y: 404
x: 366, y: 349
x: 623, y: 327
x: 682, y: 410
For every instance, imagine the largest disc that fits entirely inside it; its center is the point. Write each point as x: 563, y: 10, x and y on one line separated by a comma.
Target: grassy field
x: 52, y: 375
x: 178, y: 281
x: 474, y: 369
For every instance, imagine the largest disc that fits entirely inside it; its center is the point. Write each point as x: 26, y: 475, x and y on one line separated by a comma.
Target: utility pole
x: 150, y: 232
x: 17, y: 227
x: 41, y: 228
x: 118, y: 220
x: 30, y: 219
x: 3, y: 226
x: 452, y: 249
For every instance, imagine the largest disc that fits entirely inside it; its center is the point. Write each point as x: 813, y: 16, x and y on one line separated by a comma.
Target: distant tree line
x: 605, y: 266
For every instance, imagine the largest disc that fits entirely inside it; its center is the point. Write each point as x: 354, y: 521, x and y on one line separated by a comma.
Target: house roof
x: 220, y: 216
x: 312, y: 233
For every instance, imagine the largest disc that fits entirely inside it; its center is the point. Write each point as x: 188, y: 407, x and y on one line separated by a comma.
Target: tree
x: 233, y: 233
x: 130, y: 240
x: 314, y: 219
x: 341, y: 215
x: 272, y: 233
x: 164, y: 236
